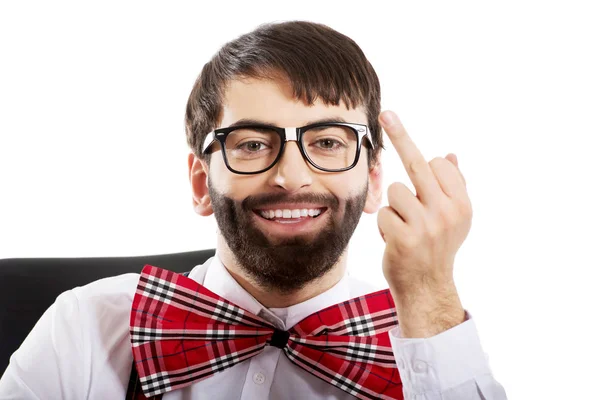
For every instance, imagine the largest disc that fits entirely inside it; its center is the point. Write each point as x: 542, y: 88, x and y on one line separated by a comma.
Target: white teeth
x: 297, y: 213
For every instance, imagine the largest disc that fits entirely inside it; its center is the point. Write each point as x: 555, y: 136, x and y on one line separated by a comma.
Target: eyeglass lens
x: 254, y: 149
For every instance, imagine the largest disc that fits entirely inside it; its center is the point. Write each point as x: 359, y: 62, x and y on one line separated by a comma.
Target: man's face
x: 282, y: 253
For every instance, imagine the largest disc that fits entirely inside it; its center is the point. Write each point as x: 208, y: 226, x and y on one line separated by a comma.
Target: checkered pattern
x: 182, y: 333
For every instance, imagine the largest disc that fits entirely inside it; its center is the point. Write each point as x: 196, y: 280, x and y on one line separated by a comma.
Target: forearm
x: 424, y: 313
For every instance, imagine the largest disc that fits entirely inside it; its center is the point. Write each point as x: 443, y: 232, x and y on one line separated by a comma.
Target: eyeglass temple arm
x: 209, y: 140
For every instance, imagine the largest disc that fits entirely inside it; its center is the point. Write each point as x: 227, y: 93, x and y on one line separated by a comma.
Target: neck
x: 271, y: 298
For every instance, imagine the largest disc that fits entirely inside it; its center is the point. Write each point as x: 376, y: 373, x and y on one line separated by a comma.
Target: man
x: 285, y: 130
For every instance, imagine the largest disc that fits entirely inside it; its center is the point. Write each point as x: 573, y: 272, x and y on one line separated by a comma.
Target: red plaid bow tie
x: 346, y: 345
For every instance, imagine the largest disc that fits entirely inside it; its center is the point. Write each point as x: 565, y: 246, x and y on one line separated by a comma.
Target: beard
x: 290, y: 263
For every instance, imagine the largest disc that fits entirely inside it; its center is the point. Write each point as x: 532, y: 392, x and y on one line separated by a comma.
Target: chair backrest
x: 28, y: 286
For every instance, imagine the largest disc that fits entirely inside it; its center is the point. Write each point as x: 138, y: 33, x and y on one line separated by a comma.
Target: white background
x: 93, y: 152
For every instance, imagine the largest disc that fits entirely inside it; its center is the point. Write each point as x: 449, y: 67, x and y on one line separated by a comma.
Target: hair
x: 318, y: 62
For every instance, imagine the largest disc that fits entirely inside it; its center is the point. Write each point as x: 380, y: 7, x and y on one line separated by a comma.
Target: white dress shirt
x: 80, y: 349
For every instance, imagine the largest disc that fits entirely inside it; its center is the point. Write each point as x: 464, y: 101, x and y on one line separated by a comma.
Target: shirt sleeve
x: 447, y: 366
x: 48, y: 364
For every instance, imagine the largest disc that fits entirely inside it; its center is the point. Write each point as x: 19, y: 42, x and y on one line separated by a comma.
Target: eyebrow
x: 251, y: 121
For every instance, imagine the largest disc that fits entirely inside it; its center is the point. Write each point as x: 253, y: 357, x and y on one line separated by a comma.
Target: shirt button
x: 420, y: 366
x: 259, y: 378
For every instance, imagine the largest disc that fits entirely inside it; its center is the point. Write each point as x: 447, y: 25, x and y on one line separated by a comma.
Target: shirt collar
x: 220, y: 281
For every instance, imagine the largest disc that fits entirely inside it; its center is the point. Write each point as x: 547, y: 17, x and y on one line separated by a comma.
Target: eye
x: 251, y: 146
x: 328, y: 143
x: 329, y: 139
x: 252, y: 140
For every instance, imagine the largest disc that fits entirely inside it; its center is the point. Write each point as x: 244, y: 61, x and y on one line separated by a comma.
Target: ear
x: 375, y: 188
x: 198, y: 170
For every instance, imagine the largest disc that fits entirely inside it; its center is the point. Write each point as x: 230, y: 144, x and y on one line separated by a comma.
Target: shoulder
x: 104, y: 305
x: 80, y: 346
x: 120, y: 288
x: 101, y: 308
x: 115, y: 292
x: 104, y: 316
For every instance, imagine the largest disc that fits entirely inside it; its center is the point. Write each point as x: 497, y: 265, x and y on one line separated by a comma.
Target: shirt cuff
x: 440, y: 362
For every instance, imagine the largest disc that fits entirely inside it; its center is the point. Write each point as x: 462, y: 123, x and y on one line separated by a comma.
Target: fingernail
x: 389, y: 118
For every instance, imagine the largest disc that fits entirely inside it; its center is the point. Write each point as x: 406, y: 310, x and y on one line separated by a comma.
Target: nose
x: 292, y: 171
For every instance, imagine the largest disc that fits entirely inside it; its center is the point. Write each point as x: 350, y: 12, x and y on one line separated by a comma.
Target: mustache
x: 267, y: 199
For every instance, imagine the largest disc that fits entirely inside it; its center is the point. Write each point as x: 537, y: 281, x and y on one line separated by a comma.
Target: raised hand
x: 423, y: 233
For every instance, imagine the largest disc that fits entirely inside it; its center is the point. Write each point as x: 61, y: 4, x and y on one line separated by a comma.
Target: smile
x: 290, y: 213
x: 290, y: 221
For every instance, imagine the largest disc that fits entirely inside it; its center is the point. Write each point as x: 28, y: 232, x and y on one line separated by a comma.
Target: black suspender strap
x: 134, y: 388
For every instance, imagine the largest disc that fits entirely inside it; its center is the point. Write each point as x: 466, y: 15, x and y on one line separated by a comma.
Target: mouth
x: 291, y: 222
x: 289, y: 215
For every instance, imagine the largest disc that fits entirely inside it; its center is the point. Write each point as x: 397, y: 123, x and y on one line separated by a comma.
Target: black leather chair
x: 28, y: 286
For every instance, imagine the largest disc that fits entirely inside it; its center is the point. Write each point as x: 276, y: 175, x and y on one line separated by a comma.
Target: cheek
x: 237, y: 187
x: 354, y: 181
x: 222, y: 178
x: 345, y: 187
x: 240, y: 188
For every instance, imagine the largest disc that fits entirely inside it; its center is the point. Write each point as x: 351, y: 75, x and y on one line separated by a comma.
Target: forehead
x: 273, y: 102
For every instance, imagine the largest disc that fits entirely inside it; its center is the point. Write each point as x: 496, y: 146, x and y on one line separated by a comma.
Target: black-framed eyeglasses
x: 252, y: 149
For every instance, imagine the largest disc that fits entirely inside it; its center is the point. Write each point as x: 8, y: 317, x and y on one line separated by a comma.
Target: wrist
x: 427, y: 312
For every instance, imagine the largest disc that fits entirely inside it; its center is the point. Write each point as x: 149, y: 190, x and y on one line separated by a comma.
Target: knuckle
x: 435, y: 231
x: 448, y: 217
x: 410, y: 242
x: 440, y: 224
